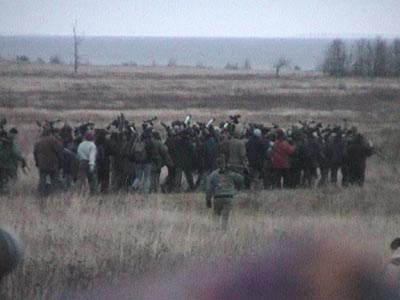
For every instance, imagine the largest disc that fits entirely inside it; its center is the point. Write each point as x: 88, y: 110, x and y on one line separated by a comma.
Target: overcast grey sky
x: 211, y: 18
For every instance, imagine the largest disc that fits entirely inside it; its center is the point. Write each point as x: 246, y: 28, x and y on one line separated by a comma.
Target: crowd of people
x: 215, y: 159
x: 124, y: 157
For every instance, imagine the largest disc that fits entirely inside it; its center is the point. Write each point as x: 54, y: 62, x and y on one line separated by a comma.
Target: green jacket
x: 222, y: 184
x: 162, y: 156
x: 16, y: 154
x: 10, y: 155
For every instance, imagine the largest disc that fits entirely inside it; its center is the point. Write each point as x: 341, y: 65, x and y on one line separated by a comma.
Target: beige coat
x: 237, y: 154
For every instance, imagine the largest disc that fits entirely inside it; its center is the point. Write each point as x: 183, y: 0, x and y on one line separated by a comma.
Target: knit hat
x: 13, y: 130
x: 280, y: 133
x: 89, y: 136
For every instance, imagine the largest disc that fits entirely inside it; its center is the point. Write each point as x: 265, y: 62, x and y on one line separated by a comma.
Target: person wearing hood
x: 256, y: 151
x: 237, y: 158
x: 281, y: 159
x: 221, y: 186
x: 144, y: 157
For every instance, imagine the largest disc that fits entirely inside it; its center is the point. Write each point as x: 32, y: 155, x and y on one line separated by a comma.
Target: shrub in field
x: 200, y: 65
x: 247, y: 65
x: 231, y: 66
x: 22, y: 58
x: 130, y: 64
x: 55, y: 59
x: 172, y: 62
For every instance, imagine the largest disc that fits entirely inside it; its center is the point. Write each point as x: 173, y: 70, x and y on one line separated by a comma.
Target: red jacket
x: 281, y: 155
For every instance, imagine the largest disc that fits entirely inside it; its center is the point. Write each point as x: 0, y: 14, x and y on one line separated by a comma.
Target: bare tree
x: 77, y: 41
x: 281, y: 63
x: 363, y: 58
x: 247, y: 64
x: 231, y: 66
x: 336, y: 59
x: 395, y: 58
x: 55, y: 59
x: 380, y: 57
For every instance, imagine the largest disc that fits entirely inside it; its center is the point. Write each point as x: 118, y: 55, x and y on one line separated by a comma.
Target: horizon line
x: 310, y: 37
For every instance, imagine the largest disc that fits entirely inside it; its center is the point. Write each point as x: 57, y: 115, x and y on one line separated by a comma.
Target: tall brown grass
x: 72, y: 239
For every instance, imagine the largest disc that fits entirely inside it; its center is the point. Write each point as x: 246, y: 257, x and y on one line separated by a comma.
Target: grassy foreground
x: 72, y: 239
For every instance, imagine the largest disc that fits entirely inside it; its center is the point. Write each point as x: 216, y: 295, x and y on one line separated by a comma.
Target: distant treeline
x: 54, y: 59
x: 365, y: 57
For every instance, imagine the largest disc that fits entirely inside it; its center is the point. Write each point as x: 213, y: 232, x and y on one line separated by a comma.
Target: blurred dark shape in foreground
x: 11, y: 252
x: 302, y: 268
x: 392, y: 271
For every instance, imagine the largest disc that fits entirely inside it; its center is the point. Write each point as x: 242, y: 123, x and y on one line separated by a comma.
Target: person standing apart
x: 221, y: 185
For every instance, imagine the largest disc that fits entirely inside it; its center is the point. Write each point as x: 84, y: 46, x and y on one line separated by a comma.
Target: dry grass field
x: 72, y: 239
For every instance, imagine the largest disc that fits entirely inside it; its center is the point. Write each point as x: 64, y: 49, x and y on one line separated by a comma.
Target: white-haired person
x: 87, y: 152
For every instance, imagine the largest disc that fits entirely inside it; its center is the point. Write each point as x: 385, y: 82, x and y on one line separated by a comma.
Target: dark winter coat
x: 256, y: 151
x: 337, y: 151
x: 172, y: 144
x: 357, y: 153
x: 47, y: 153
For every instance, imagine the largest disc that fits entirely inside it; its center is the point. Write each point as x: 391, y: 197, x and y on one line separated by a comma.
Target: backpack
x: 139, y: 151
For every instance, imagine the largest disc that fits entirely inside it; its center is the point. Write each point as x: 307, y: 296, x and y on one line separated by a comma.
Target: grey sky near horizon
x: 203, y: 18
